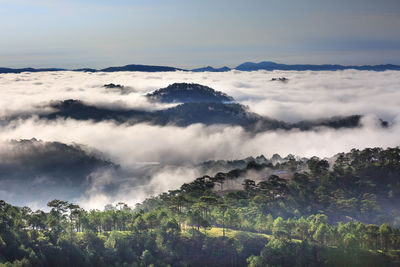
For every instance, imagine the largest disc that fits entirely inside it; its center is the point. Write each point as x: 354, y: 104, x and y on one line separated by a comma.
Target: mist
x: 153, y: 159
x: 306, y: 95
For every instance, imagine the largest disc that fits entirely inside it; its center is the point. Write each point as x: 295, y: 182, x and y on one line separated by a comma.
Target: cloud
x: 154, y: 159
x: 177, y: 149
x: 307, y: 95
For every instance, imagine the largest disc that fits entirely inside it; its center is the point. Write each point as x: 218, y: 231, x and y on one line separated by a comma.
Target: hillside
x: 342, y: 213
x: 42, y: 170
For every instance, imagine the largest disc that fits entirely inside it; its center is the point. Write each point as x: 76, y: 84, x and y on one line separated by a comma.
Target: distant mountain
x: 188, y: 93
x: 144, y: 68
x: 247, y: 66
x: 85, y: 70
x: 211, y: 69
x: 9, y: 70
x: 268, y: 65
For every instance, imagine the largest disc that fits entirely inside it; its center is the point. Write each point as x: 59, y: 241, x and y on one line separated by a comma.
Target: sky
x: 189, y: 34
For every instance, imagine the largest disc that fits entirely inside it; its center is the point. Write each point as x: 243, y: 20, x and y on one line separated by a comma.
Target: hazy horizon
x: 190, y: 34
x: 232, y: 66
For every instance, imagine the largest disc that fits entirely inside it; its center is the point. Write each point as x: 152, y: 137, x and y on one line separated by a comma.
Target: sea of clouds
x: 154, y: 159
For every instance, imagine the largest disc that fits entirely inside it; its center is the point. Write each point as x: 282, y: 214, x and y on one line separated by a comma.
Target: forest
x: 338, y: 212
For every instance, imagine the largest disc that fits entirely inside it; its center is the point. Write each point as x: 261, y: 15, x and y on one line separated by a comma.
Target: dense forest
x: 342, y: 211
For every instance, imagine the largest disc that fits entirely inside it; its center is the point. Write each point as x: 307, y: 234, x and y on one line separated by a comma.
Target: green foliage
x: 341, y: 215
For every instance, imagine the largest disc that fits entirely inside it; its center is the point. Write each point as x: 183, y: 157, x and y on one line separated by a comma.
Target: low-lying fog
x: 148, y: 159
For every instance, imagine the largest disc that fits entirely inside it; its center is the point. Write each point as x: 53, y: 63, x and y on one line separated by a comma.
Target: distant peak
x: 270, y: 66
x: 141, y: 68
x: 212, y: 69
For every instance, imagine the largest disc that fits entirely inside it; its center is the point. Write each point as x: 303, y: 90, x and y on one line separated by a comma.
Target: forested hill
x: 189, y: 93
x: 359, y: 186
x: 310, y: 212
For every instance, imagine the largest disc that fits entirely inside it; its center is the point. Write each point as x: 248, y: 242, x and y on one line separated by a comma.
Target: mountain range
x: 247, y: 66
x: 268, y: 65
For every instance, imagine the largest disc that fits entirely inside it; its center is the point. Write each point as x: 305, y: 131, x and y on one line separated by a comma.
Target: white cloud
x: 307, y: 95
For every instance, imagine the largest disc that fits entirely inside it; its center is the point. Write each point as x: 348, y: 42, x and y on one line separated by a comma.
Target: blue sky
x: 100, y: 33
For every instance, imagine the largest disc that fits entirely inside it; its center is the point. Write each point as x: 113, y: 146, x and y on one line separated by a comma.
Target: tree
x: 223, y: 208
x: 279, y: 229
x: 232, y: 218
x: 371, y: 236
x: 322, y: 234
x: 151, y: 220
x: 249, y: 185
x: 317, y: 166
x: 385, y: 232
x: 73, y: 217
x: 351, y: 244
x: 146, y: 258
x: 56, y: 216
x: 140, y: 224
x: 369, y: 205
x: 302, y: 228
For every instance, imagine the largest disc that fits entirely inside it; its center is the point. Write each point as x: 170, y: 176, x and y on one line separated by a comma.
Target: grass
x: 213, y: 232
x: 104, y: 235
x: 217, y: 232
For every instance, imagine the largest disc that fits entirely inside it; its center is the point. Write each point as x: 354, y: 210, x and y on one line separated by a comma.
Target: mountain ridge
x: 269, y: 65
x: 246, y: 66
x: 212, y: 69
